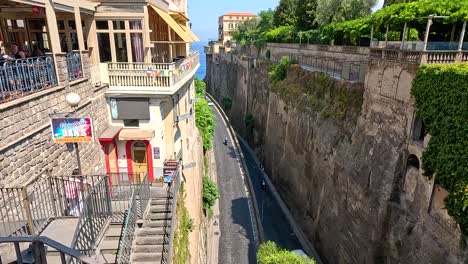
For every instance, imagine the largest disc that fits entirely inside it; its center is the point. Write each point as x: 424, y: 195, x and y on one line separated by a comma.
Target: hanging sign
x: 36, y: 10
x: 72, y: 130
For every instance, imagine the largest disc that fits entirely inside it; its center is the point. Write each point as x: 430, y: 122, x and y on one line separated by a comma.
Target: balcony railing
x: 74, y: 66
x: 164, y: 75
x: 25, y: 76
x: 420, y: 57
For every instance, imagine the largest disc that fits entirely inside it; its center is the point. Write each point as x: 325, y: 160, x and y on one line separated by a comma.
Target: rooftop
x: 240, y: 14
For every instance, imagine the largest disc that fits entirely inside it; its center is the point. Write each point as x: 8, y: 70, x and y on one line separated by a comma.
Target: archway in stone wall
x: 419, y: 130
x: 411, y: 177
x: 412, y: 161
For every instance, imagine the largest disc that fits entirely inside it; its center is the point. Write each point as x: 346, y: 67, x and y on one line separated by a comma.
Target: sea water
x: 200, y: 74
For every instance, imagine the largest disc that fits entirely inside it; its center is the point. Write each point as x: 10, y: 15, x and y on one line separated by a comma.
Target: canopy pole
x: 371, y: 35
x: 403, y: 37
x: 386, y: 35
x: 462, y: 37
x: 428, y: 29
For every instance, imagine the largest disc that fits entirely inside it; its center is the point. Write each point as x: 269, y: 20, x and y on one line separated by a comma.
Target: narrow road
x: 236, y: 244
x: 275, y: 224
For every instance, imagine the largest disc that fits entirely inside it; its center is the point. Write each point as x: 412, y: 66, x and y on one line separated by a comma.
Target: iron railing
x: 74, y: 66
x: 128, y: 232
x: 169, y: 227
x: 25, y: 76
x: 95, y: 213
x: 28, y: 209
x: 38, y: 253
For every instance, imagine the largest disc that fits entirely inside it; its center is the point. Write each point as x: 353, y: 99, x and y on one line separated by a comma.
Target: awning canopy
x: 189, y: 32
x: 136, y: 134
x: 109, y: 134
x: 173, y: 24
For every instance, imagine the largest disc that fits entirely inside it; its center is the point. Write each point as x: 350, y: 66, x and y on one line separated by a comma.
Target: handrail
x: 128, y: 232
x: 169, y: 228
x: 49, y: 242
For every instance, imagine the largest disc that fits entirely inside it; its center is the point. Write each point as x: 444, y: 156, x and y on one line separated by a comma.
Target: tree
x: 285, y: 13
x: 210, y: 193
x: 391, y: 2
x: 305, y: 12
x: 266, y: 20
x: 341, y: 10
x: 270, y: 253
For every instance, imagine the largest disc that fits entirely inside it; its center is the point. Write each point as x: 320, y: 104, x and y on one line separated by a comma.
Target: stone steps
x: 147, y: 257
x: 148, y: 248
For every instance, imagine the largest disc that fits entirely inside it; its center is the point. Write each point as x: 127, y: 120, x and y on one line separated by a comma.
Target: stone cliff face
x: 352, y: 181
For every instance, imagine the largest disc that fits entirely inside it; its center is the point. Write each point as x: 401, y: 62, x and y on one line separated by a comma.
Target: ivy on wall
x: 204, y: 117
x: 441, y: 94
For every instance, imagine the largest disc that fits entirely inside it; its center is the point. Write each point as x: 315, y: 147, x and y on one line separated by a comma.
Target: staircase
x: 110, y: 243
x: 150, y: 238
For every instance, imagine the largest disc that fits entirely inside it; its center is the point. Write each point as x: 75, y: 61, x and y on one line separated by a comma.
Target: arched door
x: 139, y: 159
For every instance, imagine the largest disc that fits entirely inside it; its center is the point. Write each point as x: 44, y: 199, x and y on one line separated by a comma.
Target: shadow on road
x: 239, y: 217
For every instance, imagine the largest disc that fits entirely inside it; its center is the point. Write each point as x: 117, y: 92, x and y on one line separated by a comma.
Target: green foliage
x: 341, y: 10
x: 441, y: 94
x: 185, y: 225
x: 320, y: 93
x: 305, y: 12
x: 349, y: 32
x: 249, y: 122
x: 227, y: 103
x: 280, y: 34
x: 285, y: 13
x: 210, y: 193
x: 266, y: 20
x: 392, y: 2
x: 270, y: 253
x: 278, y: 71
x: 204, y: 117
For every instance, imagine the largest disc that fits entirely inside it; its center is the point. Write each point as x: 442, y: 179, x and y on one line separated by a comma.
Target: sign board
x: 72, y: 130
x: 156, y: 153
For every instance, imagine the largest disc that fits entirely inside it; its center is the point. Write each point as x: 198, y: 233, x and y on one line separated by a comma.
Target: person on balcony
x: 37, y: 52
x: 16, y: 53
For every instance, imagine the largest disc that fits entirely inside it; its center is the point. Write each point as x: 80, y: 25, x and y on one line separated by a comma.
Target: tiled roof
x: 240, y: 14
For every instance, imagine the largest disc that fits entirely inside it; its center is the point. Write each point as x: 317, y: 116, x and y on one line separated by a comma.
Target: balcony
x: 152, y: 78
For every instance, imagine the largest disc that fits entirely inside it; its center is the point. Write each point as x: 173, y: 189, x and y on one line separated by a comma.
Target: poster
x: 113, y: 108
x: 71, y: 130
x: 156, y: 153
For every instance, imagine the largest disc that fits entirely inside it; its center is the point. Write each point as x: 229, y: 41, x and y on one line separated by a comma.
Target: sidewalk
x: 213, y: 231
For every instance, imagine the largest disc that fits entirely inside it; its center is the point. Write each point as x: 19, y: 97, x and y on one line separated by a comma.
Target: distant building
x: 230, y: 22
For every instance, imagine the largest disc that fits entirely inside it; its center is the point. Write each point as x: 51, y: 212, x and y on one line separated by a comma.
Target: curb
x: 258, y: 222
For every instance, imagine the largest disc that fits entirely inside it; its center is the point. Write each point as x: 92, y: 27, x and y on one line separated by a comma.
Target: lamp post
x: 73, y: 100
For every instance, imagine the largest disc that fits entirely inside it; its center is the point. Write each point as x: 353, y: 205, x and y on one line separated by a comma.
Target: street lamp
x: 73, y: 100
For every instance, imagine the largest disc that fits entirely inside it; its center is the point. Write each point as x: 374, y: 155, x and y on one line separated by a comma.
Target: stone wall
x: 26, y: 148
x: 347, y: 181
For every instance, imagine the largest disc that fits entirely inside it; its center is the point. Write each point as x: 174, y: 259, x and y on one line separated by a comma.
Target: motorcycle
x: 263, y: 185
x: 225, y: 142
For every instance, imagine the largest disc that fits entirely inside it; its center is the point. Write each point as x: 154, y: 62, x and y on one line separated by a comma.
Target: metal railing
x: 74, y: 68
x: 37, y: 251
x: 27, y: 210
x: 128, y: 232
x: 95, y: 212
x: 169, y: 227
x: 420, y: 57
x: 150, y: 74
x: 25, y: 76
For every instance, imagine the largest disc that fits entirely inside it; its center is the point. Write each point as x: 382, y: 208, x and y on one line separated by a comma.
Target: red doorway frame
x: 128, y: 150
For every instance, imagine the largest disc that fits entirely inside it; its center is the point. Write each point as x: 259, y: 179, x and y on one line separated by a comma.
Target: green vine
x: 441, y: 94
x: 185, y: 225
x: 204, y: 117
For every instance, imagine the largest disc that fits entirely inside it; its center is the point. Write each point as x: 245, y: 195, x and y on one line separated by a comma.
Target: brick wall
x: 26, y: 147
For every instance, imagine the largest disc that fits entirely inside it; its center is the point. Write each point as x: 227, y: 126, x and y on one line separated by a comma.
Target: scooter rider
x: 225, y: 140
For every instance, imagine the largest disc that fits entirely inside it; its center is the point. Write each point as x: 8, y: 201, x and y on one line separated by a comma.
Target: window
x: 68, y: 35
x: 237, y: 25
x: 124, y: 38
x: 131, y: 123
x: 104, y: 47
x: 230, y: 25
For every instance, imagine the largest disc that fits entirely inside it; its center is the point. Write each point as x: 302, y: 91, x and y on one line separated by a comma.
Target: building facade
x: 131, y: 65
x: 229, y: 22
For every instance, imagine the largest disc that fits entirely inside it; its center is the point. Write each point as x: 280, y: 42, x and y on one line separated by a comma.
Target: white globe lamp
x: 73, y: 99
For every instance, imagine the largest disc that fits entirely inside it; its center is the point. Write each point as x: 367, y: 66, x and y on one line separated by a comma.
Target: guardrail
x: 74, y: 68
x: 38, y: 251
x: 420, y: 57
x: 21, y: 77
x: 95, y: 212
x: 166, y: 75
x: 128, y: 232
x: 169, y: 227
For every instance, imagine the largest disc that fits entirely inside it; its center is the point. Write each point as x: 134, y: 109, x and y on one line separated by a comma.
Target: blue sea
x: 200, y: 74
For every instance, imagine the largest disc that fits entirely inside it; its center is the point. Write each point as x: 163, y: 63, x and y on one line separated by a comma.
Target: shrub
x: 278, y: 71
x: 205, y: 122
x: 210, y: 193
x: 270, y: 253
x: 181, y: 252
x: 227, y: 103
x: 249, y: 122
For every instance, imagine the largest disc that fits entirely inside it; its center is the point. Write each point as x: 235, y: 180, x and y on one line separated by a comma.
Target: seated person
x: 16, y: 53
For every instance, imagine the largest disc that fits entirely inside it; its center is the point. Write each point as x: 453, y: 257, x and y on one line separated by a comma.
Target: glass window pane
x: 9, y: 24
x: 119, y: 25
x: 120, y: 47
x: 74, y: 41
x: 60, y: 24
x: 104, y: 47
x: 72, y: 24
x: 135, y: 25
x: 137, y: 47
x: 20, y: 23
x: 102, y: 24
x: 63, y: 42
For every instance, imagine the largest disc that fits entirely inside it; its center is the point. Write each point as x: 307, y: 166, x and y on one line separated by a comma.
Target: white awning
x: 136, y: 134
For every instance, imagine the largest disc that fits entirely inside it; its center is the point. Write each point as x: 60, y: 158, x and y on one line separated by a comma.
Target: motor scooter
x: 264, y: 185
x: 225, y: 142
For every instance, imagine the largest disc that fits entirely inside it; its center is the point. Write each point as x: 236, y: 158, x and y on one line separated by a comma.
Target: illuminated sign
x: 71, y: 130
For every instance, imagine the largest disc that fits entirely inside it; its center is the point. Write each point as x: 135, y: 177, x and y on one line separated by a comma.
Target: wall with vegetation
x: 341, y: 156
